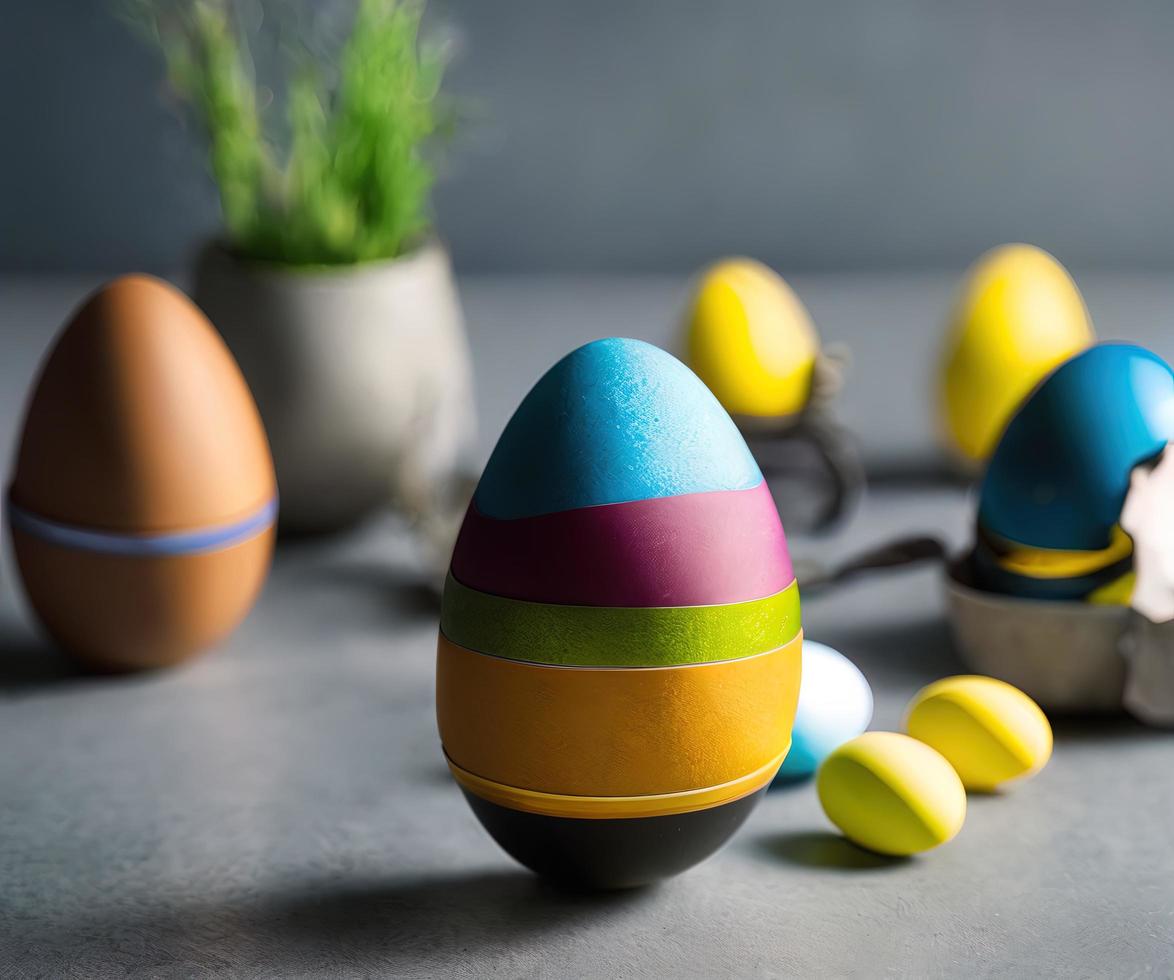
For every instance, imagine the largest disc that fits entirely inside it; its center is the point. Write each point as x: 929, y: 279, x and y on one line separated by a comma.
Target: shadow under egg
x: 823, y: 849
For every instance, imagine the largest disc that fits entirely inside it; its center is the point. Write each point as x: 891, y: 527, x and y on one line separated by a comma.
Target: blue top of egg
x: 1060, y: 473
x: 614, y: 421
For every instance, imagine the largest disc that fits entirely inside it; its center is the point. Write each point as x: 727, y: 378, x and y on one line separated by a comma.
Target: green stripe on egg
x: 611, y: 636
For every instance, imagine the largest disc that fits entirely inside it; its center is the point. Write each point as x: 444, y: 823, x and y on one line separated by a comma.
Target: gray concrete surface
x: 279, y: 808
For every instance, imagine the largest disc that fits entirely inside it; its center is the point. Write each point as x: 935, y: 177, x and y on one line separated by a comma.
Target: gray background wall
x: 635, y: 135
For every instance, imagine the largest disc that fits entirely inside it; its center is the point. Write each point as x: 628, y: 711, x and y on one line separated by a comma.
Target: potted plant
x: 328, y: 283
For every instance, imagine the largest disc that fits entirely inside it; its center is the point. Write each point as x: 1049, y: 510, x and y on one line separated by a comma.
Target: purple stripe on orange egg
x: 687, y: 550
x: 144, y: 545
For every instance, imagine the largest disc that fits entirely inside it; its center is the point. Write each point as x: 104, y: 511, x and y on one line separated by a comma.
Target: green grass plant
x: 347, y: 177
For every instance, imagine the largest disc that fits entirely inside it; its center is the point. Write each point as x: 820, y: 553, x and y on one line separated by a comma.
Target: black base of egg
x: 607, y: 854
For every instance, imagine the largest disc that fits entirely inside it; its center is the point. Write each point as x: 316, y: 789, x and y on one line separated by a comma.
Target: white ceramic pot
x: 362, y: 375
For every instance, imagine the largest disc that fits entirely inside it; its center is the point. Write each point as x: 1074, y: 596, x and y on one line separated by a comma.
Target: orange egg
x: 143, y: 501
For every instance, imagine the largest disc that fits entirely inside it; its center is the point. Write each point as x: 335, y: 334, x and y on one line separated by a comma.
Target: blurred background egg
x: 1052, y: 497
x: 142, y: 502
x: 619, y: 656
x: 751, y: 340
x: 1018, y: 316
x: 1059, y: 477
x: 835, y: 705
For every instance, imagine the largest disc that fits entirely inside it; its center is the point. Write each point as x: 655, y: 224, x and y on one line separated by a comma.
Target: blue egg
x: 1060, y: 473
x: 835, y: 705
x: 614, y: 421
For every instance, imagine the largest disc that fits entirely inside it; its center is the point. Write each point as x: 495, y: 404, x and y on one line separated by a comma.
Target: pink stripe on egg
x: 689, y: 550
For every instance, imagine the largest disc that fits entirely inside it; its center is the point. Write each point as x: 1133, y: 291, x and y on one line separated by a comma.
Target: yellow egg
x: 1019, y: 316
x: 992, y: 733
x: 891, y: 794
x: 751, y: 340
x: 1119, y: 592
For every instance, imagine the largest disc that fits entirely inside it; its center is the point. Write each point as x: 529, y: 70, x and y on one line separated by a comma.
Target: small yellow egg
x: 891, y: 794
x: 992, y: 733
x: 1019, y: 315
x: 751, y: 340
x: 1119, y: 592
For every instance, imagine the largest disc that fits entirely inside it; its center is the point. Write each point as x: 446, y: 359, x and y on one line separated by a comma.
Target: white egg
x: 835, y: 705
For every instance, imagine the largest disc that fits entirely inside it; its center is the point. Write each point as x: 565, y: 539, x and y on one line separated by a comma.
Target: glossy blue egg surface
x: 1060, y: 473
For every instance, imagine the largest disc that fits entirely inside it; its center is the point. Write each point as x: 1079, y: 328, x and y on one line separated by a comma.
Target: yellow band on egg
x: 615, y: 732
x: 613, y: 636
x: 1053, y: 563
x: 616, y: 807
